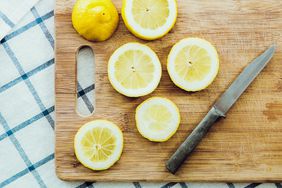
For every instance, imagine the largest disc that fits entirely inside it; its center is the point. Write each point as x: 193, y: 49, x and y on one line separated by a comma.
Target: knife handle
x: 192, y: 140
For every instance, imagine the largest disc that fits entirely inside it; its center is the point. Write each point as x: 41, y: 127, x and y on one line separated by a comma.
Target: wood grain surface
x: 245, y: 146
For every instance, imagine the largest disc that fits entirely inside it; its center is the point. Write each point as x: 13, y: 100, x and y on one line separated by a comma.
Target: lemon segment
x: 95, y: 20
x: 98, y: 144
x: 157, y: 119
x: 193, y: 64
x: 149, y: 19
x: 134, y: 70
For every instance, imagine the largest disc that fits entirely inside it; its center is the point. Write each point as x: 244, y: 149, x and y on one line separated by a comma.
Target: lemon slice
x: 134, y: 70
x: 193, y: 64
x: 98, y: 144
x: 157, y: 119
x: 149, y: 19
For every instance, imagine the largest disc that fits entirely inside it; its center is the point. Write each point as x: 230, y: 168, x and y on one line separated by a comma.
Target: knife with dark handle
x: 219, y: 109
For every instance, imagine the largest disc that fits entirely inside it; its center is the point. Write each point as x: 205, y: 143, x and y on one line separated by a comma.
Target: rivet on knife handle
x: 192, y: 141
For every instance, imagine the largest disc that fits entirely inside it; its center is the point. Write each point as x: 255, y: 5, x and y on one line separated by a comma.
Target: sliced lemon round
x: 134, y: 70
x: 157, y: 119
x: 98, y: 144
x: 193, y: 64
x: 149, y: 19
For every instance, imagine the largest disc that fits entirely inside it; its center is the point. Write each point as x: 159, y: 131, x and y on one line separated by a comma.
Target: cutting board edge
x: 64, y: 177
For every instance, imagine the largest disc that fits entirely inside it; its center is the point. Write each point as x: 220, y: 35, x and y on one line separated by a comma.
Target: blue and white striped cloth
x: 27, y: 101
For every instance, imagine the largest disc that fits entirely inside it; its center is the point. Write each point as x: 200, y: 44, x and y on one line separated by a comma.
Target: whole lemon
x: 95, y: 20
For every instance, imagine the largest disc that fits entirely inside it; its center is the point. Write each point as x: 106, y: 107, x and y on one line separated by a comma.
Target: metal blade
x: 230, y: 96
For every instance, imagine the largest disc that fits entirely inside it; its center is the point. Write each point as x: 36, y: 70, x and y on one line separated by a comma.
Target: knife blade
x: 231, y: 95
x: 220, y: 108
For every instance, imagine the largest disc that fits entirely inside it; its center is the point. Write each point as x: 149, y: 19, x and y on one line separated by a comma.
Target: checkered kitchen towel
x: 27, y: 101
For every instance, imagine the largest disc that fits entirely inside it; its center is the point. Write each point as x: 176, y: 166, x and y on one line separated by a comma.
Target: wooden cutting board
x: 245, y: 146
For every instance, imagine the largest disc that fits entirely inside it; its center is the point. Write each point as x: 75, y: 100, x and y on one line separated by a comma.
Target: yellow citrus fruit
x: 134, y: 70
x: 98, y: 144
x: 95, y: 20
x: 149, y: 19
x: 157, y: 119
x: 193, y: 64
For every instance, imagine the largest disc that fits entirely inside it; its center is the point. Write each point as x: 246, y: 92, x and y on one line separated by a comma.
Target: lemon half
x: 98, y: 144
x: 149, y: 19
x: 157, y: 119
x: 134, y: 70
x: 95, y: 20
x: 193, y: 64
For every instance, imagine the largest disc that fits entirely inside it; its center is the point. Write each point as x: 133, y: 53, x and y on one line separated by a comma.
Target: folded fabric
x: 11, y: 12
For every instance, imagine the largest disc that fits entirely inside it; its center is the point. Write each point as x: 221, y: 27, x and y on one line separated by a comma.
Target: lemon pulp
x: 158, y: 117
x: 193, y: 63
x: 98, y: 144
x: 134, y: 69
x: 150, y: 14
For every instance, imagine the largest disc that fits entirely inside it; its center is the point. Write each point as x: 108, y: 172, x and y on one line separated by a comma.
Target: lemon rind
x: 149, y: 36
x: 209, y: 79
x: 135, y: 92
x: 137, y: 119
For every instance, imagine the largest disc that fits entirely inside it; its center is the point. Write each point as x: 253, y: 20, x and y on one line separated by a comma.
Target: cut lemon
x: 95, y: 20
x: 98, y: 144
x: 193, y: 64
x: 157, y: 119
x: 134, y: 70
x: 149, y: 19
